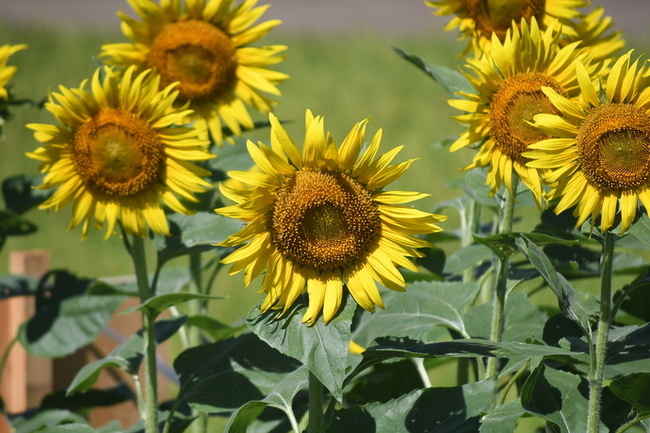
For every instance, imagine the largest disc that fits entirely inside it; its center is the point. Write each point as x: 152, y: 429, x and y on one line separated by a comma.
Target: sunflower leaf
x: 281, y: 398
x: 420, y: 313
x: 158, y: 304
x: 12, y: 224
x: 194, y: 233
x: 556, y: 397
x: 209, y: 374
x: 457, y: 410
x: 322, y: 348
x: 452, y: 81
x: 577, y: 306
x: 19, y: 192
x: 127, y: 356
x: 633, y: 389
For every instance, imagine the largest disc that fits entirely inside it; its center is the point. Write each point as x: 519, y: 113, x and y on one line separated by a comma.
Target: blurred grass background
x: 344, y: 77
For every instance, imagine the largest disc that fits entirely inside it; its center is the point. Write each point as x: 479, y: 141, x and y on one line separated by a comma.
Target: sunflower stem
x: 500, y: 286
x: 599, y: 350
x: 148, y: 322
x: 194, y: 333
x: 315, y: 404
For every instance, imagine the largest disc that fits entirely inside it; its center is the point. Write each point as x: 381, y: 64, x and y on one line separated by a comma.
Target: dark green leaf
x: 19, y: 192
x: 384, y: 382
x: 575, y: 305
x: 44, y: 419
x: 436, y: 410
x: 229, y: 373
x: 160, y: 303
x: 90, y: 399
x: 322, y: 348
x: 502, y: 419
x: 281, y: 398
x: 17, y: 285
x: 416, y: 313
x: 66, y: 318
x: 69, y: 428
x: 215, y: 328
x: 127, y: 356
x: 502, y: 245
x: 12, y: 224
x: 641, y: 230
x: 192, y: 233
x: 452, y: 81
x: 558, y: 397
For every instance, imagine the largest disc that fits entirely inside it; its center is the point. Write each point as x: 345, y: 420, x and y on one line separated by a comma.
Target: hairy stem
x: 598, y: 351
x: 148, y: 321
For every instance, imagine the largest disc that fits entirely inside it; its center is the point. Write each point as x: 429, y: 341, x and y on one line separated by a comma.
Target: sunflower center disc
x: 324, y: 220
x: 614, y: 146
x: 198, y: 55
x: 496, y: 16
x: 117, y: 153
x: 513, y: 107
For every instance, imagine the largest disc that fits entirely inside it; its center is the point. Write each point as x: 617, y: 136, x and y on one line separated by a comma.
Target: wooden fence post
x: 19, y: 389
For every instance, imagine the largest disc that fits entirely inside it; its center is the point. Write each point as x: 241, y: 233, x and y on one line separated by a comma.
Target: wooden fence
x: 26, y: 379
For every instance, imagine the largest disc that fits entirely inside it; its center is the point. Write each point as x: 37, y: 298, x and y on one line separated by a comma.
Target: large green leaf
x: 19, y: 192
x: 322, y: 348
x: 227, y: 374
x: 45, y: 419
x: 416, y: 313
x: 17, y: 285
x: 13, y: 224
x: 556, y: 396
x: 434, y: 410
x: 641, y: 230
x: 281, y: 398
x: 127, y: 356
x: 503, y: 418
x: 66, y: 318
x: 523, y: 320
x: 467, y: 257
x: 192, y: 233
x: 452, y: 81
x: 577, y: 306
x: 87, y: 400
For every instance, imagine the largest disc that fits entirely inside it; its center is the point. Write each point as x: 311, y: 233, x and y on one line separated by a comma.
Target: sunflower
x: 599, y: 153
x: 481, y: 19
x: 7, y: 72
x: 117, y: 156
x: 594, y: 32
x: 204, y: 45
x: 508, y: 82
x: 322, y: 220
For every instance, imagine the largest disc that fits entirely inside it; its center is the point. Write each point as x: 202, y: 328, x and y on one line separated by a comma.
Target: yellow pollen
x: 614, y: 146
x: 198, y: 55
x: 324, y: 220
x: 518, y: 99
x: 117, y: 153
x: 496, y: 16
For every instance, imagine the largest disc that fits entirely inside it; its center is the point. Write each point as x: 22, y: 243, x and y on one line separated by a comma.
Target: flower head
x: 7, y: 72
x: 508, y: 82
x: 117, y: 155
x: 204, y: 45
x: 482, y: 19
x: 320, y: 219
x: 599, y: 151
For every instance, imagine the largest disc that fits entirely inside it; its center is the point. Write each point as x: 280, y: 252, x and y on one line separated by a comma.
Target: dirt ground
x: 319, y: 16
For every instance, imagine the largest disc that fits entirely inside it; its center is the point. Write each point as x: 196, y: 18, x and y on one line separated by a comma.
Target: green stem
x: 498, y: 314
x: 512, y: 382
x: 148, y: 322
x: 598, y: 352
x: 315, y: 404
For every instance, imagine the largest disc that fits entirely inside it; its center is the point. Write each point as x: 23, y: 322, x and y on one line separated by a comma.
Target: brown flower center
x: 324, y: 220
x: 496, y: 16
x: 118, y: 153
x: 614, y: 146
x: 518, y: 99
x: 198, y: 55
